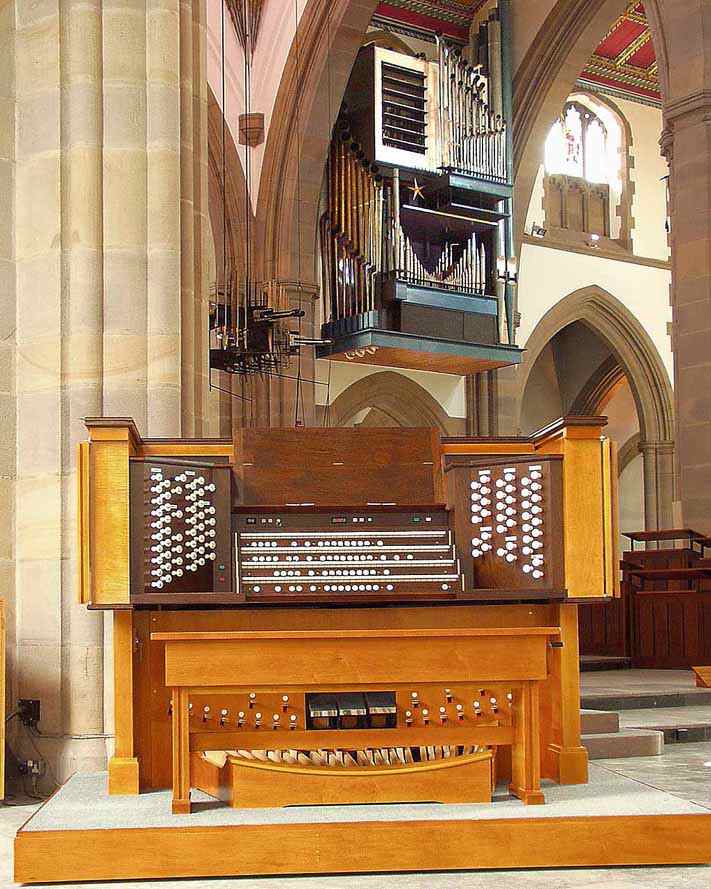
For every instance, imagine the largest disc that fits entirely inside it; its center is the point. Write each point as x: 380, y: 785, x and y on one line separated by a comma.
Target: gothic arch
x: 387, y: 41
x: 630, y: 344
x: 600, y: 384
x: 621, y: 208
x: 628, y: 452
x: 547, y: 75
x: 401, y: 399
x: 314, y: 79
x: 235, y: 189
x: 636, y: 354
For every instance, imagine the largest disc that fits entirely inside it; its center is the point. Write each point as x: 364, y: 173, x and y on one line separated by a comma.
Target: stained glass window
x: 577, y: 145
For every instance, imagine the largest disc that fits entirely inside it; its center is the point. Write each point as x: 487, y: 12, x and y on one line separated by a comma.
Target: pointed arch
x: 597, y: 388
x: 635, y: 353
x: 630, y: 344
x: 388, y: 40
x: 236, y: 205
x: 546, y: 76
x: 313, y: 82
x: 401, y: 399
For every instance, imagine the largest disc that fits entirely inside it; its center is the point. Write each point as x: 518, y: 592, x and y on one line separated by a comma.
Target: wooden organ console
x: 285, y: 635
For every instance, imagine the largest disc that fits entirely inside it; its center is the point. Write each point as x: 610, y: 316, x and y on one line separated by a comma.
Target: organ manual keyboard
x: 290, y: 636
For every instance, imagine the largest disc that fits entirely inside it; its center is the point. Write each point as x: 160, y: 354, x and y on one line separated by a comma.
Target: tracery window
x: 583, y: 185
x: 577, y: 146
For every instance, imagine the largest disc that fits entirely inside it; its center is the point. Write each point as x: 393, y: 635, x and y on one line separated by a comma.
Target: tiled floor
x: 685, y: 770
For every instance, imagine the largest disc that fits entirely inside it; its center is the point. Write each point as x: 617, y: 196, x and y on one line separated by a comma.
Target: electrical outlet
x: 31, y: 767
x: 28, y: 711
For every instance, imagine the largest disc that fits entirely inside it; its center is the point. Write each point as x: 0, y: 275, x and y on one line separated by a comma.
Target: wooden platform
x: 83, y: 834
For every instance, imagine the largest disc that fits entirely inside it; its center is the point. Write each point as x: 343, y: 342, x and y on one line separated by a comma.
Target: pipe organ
x: 314, y: 616
x: 285, y: 635
x: 415, y: 236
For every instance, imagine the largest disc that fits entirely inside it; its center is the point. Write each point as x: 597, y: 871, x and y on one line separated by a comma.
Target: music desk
x: 270, y: 665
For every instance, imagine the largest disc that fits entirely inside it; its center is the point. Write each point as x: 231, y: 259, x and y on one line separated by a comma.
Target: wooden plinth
x: 360, y: 846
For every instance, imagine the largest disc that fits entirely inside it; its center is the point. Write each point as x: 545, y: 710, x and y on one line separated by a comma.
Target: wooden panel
x: 587, y: 535
x: 360, y: 846
x: 378, y: 658
x: 703, y: 676
x: 565, y: 757
x: 123, y: 766
x: 670, y: 628
x: 109, y: 518
x: 350, y: 739
x: 152, y: 701
x: 359, y: 660
x: 504, y: 547
x: 603, y: 630
x: 337, y: 466
x: 611, y: 520
x: 83, y: 524
x: 433, y: 362
x: 463, y: 779
x: 167, y: 564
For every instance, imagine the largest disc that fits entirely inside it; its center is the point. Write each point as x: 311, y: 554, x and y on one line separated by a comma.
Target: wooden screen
x: 337, y: 467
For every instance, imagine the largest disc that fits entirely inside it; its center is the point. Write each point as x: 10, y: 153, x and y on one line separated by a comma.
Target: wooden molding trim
x: 357, y: 846
x: 597, y: 252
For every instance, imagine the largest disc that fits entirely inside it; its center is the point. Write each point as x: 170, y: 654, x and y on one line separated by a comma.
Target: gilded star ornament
x: 417, y: 190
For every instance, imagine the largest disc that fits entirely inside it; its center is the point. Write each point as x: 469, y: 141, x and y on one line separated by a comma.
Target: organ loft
x: 349, y: 649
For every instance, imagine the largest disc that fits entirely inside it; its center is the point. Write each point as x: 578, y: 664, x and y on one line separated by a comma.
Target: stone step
x: 599, y: 722
x: 645, y: 700
x: 591, y: 663
x: 624, y: 744
x: 679, y: 724
x: 684, y: 734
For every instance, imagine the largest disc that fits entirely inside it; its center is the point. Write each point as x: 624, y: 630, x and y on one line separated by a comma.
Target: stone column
x: 163, y: 213
x: 124, y: 207
x: 658, y: 457
x: 481, y: 396
x: 8, y: 327
x: 94, y: 177
x: 194, y: 220
x: 38, y: 459
x: 687, y: 144
x: 58, y: 233
x: 81, y: 335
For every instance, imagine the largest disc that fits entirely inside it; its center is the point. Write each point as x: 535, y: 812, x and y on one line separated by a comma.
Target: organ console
x: 293, y: 637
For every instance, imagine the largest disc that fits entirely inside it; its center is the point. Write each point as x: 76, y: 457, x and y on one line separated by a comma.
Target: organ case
x: 333, y: 550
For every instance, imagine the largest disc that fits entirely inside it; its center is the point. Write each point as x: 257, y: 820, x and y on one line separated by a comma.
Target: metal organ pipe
x: 352, y: 229
x: 472, y: 126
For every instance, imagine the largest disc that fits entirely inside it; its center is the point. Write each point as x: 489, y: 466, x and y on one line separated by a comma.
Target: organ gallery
x: 346, y: 649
